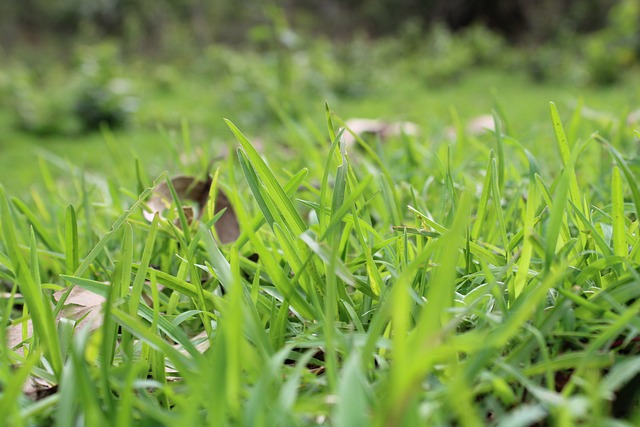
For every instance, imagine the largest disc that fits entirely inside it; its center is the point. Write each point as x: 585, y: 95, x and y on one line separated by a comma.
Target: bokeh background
x: 137, y: 72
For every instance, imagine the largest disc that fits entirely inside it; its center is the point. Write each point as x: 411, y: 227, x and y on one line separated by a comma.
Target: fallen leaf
x: 37, y: 388
x: 202, y: 345
x: 634, y: 117
x: 14, y: 335
x: 382, y: 129
x: 475, y: 127
x: 82, y: 306
x: 481, y: 124
x: 7, y: 295
x: 197, y: 191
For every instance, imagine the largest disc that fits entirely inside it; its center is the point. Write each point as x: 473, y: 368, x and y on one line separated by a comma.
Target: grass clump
x: 402, y: 283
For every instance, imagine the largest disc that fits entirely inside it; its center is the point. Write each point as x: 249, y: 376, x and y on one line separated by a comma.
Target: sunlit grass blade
x: 528, y: 228
x: 324, y: 186
x: 620, y: 247
x: 565, y: 154
x: 631, y: 179
x: 556, y: 217
x: 38, y: 226
x: 484, y: 199
x: 441, y: 288
x: 497, y: 206
x: 255, y: 185
x: 142, y: 270
x: 27, y: 276
x: 277, y: 192
x: 500, y: 150
x: 72, y: 252
x: 290, y: 188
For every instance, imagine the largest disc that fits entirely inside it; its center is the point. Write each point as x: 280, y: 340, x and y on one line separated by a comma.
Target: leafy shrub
x: 445, y: 57
x: 108, y: 103
x: 606, y: 60
x: 66, y: 102
x: 354, y: 61
x: 549, y: 63
x: 102, y: 96
x: 611, y: 51
x: 165, y: 78
x: 38, y: 111
x: 486, y: 47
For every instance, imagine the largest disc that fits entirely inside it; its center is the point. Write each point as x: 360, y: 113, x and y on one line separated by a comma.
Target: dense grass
x: 484, y: 279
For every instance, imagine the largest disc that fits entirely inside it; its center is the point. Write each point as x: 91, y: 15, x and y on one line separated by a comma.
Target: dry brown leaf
x: 201, y: 347
x: 14, y: 335
x: 7, y: 295
x: 81, y: 305
x: 194, y: 190
x: 227, y: 226
x: 37, y: 388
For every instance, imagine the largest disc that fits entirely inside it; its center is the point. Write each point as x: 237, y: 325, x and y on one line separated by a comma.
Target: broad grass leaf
x: 352, y: 406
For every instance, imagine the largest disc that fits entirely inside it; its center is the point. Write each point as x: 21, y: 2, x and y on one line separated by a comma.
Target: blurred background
x: 146, y: 26
x: 137, y: 72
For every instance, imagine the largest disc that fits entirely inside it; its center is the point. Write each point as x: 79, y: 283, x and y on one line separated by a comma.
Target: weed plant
x: 381, y: 284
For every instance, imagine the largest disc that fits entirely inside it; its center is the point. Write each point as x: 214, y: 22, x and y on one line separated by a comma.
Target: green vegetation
x: 58, y: 106
x: 163, y: 265
x: 393, y: 282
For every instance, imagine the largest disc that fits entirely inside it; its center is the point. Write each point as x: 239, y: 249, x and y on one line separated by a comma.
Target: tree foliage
x: 147, y: 23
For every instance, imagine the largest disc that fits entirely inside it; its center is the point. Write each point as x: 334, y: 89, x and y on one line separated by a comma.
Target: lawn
x: 203, y: 103
x: 449, y: 277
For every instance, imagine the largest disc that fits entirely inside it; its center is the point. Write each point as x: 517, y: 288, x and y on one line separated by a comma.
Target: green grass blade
x: 500, y: 149
x: 620, y: 247
x: 528, y: 229
x: 271, y: 183
x: 497, y: 205
x: 352, y: 408
x: 484, y: 200
x: 28, y: 278
x: 632, y: 181
x: 556, y: 217
x: 102, y: 243
x: 72, y: 252
x: 142, y: 270
x: 565, y: 154
x: 39, y: 227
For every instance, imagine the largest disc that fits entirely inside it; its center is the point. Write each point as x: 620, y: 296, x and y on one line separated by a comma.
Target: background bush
x: 148, y: 24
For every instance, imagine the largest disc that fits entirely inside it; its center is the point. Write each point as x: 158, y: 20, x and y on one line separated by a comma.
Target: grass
x: 203, y: 103
x: 389, y: 283
x: 429, y: 279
